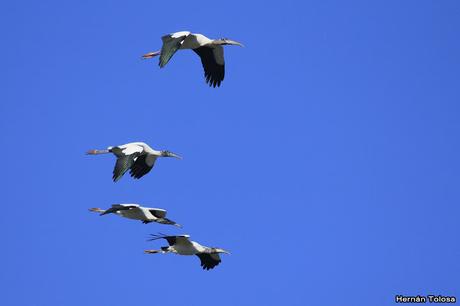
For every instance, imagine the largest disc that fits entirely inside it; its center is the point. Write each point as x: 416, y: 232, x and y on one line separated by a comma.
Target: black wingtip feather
x: 214, y: 73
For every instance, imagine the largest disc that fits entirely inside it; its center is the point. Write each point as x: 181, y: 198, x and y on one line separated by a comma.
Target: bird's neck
x: 155, y: 152
x: 149, y: 150
x: 199, y: 247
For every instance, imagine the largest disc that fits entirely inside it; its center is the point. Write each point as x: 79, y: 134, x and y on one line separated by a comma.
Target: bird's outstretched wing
x: 160, y: 215
x: 171, y: 43
x: 158, y: 212
x: 142, y: 165
x: 209, y: 261
x: 122, y: 165
x: 126, y: 156
x: 212, y: 59
x: 119, y: 207
x: 127, y: 149
x: 172, y: 240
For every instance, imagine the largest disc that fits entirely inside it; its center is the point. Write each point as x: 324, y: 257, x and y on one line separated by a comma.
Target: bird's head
x: 170, y: 154
x: 226, y: 41
x: 219, y: 250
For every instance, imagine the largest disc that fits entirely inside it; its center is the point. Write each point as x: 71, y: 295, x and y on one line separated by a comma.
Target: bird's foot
x: 95, y: 209
x: 151, y: 54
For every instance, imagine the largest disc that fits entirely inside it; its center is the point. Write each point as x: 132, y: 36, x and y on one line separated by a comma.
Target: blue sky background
x: 327, y: 163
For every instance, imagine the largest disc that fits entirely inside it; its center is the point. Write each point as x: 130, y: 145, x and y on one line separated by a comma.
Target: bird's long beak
x: 224, y: 251
x: 151, y: 54
x: 174, y: 155
x: 232, y: 42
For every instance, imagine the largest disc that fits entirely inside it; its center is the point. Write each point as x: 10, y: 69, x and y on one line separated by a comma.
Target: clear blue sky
x: 327, y: 163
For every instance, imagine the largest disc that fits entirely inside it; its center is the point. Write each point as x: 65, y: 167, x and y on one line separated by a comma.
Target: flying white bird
x: 210, y: 51
x: 138, y: 157
x: 181, y: 245
x: 137, y: 212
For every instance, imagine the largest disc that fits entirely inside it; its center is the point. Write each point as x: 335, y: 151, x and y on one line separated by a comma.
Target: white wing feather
x: 131, y: 149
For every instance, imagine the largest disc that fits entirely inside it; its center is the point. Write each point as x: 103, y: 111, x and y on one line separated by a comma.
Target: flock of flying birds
x: 139, y: 158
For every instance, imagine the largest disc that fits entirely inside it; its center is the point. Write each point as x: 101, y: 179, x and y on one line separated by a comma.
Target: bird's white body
x: 194, y: 41
x: 139, y: 213
x: 142, y: 149
x: 137, y: 147
x: 191, y: 248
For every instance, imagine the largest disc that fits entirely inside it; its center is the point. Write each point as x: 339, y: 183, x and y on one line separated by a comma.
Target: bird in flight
x: 137, y: 212
x: 182, y: 245
x: 137, y: 157
x: 210, y: 51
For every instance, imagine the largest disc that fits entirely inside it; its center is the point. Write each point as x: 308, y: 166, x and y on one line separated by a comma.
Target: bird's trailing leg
x: 151, y: 54
x: 95, y: 152
x: 154, y: 251
x: 95, y: 209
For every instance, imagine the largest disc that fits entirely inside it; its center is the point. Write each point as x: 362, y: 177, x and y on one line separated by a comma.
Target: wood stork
x: 137, y: 212
x: 210, y: 51
x: 138, y: 157
x: 182, y: 245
